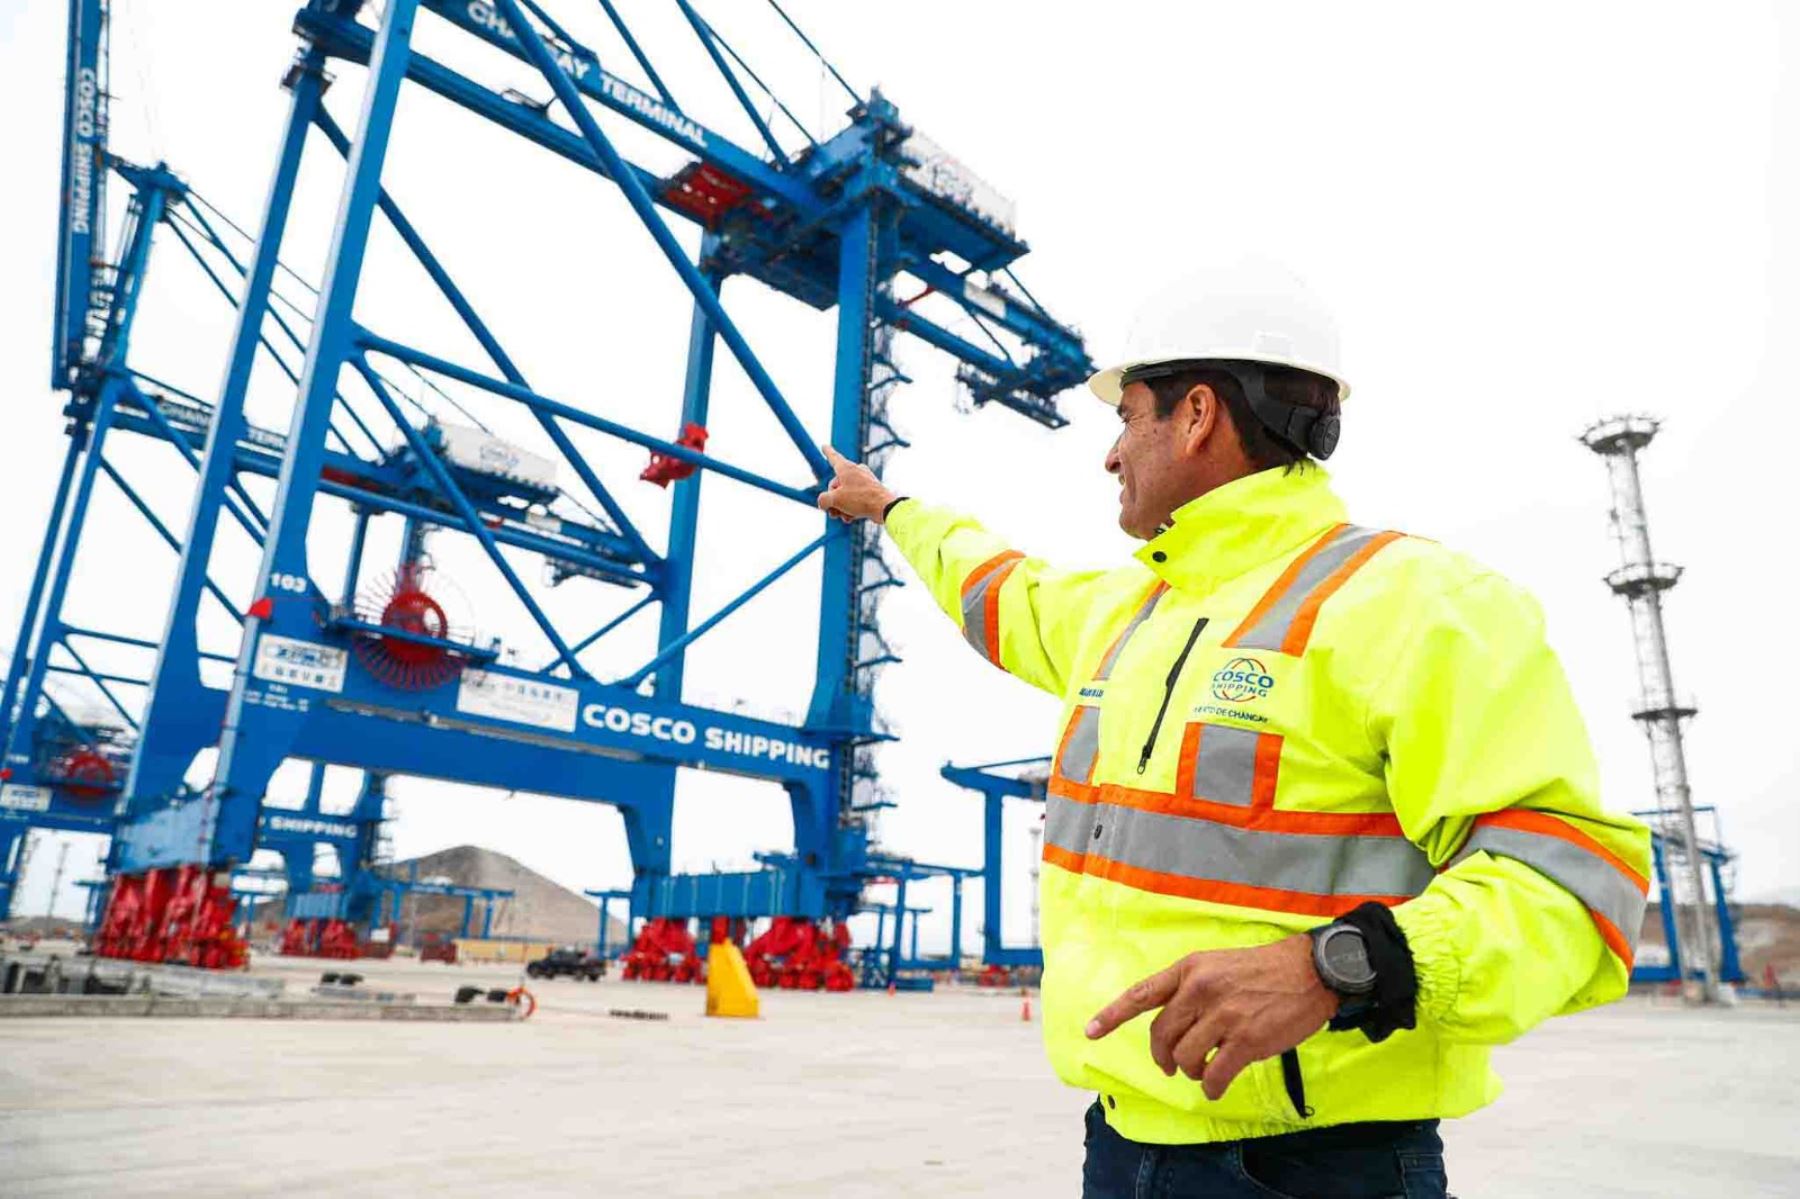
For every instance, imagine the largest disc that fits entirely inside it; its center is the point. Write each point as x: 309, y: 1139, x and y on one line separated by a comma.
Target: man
x: 1321, y: 799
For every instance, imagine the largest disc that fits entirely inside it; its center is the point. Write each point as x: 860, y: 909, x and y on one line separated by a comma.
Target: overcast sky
x: 1526, y: 215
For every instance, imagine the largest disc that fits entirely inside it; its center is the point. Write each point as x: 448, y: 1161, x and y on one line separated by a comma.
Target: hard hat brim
x: 1108, y: 385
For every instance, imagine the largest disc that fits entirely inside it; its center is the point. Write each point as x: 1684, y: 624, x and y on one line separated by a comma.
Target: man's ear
x: 1200, y: 408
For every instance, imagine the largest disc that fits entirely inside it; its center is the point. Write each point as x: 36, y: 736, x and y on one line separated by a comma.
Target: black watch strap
x: 1392, y: 1005
x: 892, y: 504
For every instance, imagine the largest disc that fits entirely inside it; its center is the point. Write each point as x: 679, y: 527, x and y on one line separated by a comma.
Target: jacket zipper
x: 1168, y: 693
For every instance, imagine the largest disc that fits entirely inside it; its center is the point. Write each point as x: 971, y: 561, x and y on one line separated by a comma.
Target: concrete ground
x: 826, y: 1095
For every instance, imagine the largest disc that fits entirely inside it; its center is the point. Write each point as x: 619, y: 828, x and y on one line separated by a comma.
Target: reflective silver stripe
x: 1225, y: 765
x: 1205, y: 850
x: 1068, y: 824
x: 1593, y: 880
x: 1270, y: 632
x: 1077, y: 761
x: 1138, y: 618
x: 974, y: 606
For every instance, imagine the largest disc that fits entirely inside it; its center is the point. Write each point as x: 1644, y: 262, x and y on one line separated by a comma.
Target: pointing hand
x: 854, y: 493
x: 1223, y: 1009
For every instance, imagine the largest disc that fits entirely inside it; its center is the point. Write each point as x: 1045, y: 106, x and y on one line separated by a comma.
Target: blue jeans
x: 1349, y: 1161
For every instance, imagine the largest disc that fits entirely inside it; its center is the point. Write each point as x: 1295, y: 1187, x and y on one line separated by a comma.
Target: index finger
x: 1140, y: 997
x: 837, y: 460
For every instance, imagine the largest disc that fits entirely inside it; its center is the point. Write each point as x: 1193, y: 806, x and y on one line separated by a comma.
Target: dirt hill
x: 539, y: 909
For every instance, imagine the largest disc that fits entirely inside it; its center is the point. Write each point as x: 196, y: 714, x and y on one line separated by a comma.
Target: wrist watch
x: 1341, y: 957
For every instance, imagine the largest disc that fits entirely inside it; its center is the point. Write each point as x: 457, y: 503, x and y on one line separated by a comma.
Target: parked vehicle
x: 569, y: 961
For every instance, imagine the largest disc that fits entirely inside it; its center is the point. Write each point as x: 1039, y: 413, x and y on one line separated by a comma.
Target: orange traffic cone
x: 892, y: 989
x: 1024, y: 1005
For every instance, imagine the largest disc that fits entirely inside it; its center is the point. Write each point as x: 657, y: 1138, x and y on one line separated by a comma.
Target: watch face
x: 1346, y: 958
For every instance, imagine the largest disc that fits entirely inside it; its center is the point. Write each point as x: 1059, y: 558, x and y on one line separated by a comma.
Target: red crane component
x: 179, y: 914
x: 403, y: 605
x: 664, y: 951
x: 320, y: 938
x: 84, y: 774
x: 804, y: 955
x: 297, y: 939
x: 704, y: 192
x: 338, y: 939
x: 994, y: 976
x: 664, y: 469
x: 437, y: 948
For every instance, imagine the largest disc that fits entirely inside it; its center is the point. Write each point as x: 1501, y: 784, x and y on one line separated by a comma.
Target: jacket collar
x: 1247, y: 522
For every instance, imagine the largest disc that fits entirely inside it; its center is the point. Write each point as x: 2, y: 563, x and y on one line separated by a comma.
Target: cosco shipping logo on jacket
x: 1241, y: 679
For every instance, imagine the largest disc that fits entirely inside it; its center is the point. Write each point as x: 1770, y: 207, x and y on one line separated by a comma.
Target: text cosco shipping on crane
x: 683, y: 732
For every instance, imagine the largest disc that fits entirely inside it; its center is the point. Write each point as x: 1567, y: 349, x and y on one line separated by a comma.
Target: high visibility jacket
x: 1269, y: 718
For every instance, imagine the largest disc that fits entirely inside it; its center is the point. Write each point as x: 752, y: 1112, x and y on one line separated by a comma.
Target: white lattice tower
x: 1642, y: 580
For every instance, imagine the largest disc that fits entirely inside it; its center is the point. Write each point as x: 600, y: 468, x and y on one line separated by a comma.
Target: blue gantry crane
x: 374, y: 673
x: 1017, y: 779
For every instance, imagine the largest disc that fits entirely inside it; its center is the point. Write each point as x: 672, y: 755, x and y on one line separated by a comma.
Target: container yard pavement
x: 863, y: 1094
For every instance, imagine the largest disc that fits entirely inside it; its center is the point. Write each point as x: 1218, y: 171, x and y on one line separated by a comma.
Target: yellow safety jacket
x: 1272, y: 717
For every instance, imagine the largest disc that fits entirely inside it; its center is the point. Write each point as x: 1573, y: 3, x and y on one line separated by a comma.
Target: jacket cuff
x: 899, y: 514
x: 1435, y: 961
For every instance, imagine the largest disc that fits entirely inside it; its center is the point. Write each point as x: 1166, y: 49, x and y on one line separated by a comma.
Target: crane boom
x: 81, y: 281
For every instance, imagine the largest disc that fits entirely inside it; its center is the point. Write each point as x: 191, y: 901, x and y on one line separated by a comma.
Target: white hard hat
x: 1249, y: 310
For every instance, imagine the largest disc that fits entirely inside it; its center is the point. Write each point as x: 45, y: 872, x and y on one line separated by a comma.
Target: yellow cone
x: 729, y: 991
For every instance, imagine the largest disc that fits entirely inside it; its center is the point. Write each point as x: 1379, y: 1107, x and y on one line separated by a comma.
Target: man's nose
x: 1112, y: 459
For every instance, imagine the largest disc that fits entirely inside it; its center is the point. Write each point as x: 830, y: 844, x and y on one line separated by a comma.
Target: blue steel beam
x: 684, y: 509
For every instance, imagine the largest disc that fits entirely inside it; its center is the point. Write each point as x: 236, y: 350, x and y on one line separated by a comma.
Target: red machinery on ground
x: 438, y: 948
x: 665, y: 952
x: 177, y: 914
x: 801, y: 955
x: 328, y: 939
x: 994, y: 976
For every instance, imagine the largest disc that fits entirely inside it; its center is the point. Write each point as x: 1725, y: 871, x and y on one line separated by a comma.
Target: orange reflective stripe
x: 990, y: 612
x: 1615, y: 940
x: 1261, y: 816
x: 1056, y: 855
x: 981, y: 604
x: 986, y: 568
x: 1283, y: 618
x: 1274, y: 594
x: 1235, y: 894
x: 1301, y: 629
